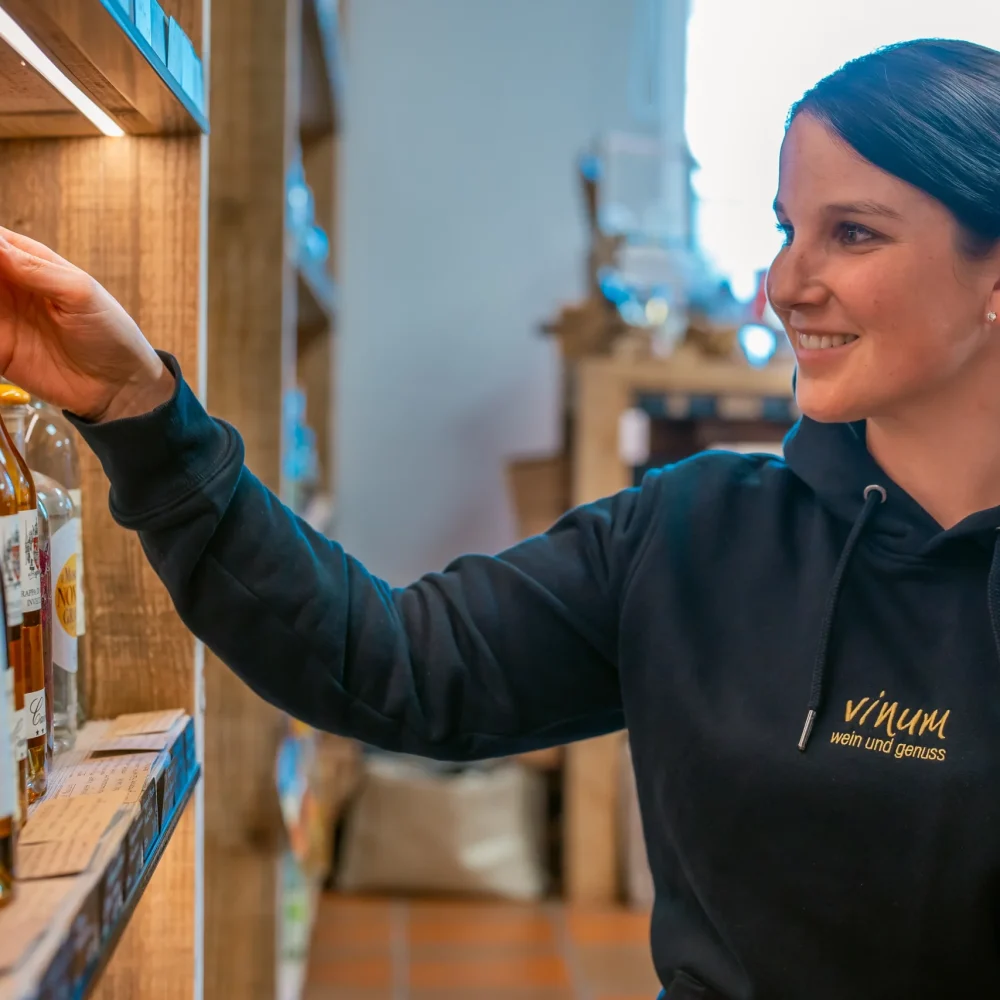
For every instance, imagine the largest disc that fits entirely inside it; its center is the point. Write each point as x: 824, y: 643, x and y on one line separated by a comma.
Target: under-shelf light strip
x: 16, y: 37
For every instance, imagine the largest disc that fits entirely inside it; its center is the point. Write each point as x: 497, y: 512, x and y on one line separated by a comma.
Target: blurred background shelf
x: 316, y: 302
x: 322, y: 68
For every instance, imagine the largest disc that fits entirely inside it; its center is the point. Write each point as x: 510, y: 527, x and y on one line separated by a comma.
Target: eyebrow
x: 852, y: 208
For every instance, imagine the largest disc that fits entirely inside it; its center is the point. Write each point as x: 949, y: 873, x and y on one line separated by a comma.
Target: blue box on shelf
x: 175, y: 50
x: 158, y: 33
x: 143, y: 17
x: 125, y: 6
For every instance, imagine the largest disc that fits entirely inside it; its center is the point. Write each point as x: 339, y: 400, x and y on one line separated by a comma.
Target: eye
x: 853, y: 234
x: 786, y: 230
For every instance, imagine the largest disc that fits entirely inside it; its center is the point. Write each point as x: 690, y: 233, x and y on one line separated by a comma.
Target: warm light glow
x: 14, y: 35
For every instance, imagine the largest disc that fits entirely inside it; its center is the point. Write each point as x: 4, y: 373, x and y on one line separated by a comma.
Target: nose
x: 794, y: 281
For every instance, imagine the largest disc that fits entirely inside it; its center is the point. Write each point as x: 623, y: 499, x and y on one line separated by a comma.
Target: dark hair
x: 927, y: 111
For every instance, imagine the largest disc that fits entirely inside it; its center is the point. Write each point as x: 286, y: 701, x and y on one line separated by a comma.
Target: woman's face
x: 882, y: 309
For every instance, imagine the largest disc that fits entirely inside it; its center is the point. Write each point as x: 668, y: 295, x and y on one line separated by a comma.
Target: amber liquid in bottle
x: 29, y: 633
x: 12, y: 690
x: 8, y: 781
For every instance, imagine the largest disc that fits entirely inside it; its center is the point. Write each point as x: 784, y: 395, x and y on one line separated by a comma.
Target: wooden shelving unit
x: 61, y: 932
x: 276, y: 88
x: 606, y: 388
x: 129, y: 211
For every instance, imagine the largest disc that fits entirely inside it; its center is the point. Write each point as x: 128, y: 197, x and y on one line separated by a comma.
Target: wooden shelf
x: 274, y: 91
x: 605, y: 387
x: 321, y: 70
x: 98, y: 47
x: 317, y: 302
x: 81, y: 918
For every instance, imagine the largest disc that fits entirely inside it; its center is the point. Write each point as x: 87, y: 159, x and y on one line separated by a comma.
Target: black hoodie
x: 712, y: 611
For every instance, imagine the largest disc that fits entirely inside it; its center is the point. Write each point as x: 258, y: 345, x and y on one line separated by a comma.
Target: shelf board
x: 322, y: 71
x: 316, y: 302
x: 98, y: 47
x: 81, y: 918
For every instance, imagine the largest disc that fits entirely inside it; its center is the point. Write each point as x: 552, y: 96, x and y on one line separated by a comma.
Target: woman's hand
x: 64, y: 339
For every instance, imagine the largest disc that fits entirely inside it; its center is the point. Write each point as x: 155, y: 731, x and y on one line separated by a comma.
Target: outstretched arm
x: 493, y: 656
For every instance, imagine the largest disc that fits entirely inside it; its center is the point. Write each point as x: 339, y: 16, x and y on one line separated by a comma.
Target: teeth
x: 811, y: 342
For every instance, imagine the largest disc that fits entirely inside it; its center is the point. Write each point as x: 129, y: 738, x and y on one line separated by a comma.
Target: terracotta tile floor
x: 365, y: 949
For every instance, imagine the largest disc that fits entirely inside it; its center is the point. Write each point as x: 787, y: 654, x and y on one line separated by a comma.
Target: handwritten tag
x: 54, y: 858
x: 148, y: 743
x: 141, y: 723
x: 85, y: 817
x: 123, y: 776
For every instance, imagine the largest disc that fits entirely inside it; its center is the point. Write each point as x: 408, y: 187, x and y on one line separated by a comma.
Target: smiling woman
x: 755, y: 624
x: 888, y: 282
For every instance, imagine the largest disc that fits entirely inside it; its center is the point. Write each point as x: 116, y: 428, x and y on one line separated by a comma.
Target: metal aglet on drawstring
x: 807, y: 729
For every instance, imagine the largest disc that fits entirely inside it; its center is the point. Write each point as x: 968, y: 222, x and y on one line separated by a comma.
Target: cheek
x: 910, y: 309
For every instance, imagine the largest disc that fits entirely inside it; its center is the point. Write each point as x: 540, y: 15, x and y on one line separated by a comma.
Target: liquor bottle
x: 8, y: 782
x: 12, y: 691
x: 46, y: 573
x: 31, y: 642
x: 59, y: 537
x: 50, y: 448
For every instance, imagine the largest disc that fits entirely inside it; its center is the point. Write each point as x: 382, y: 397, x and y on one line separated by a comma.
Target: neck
x: 945, y: 452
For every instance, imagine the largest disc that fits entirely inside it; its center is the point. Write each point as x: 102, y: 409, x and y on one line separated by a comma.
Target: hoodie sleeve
x: 496, y: 655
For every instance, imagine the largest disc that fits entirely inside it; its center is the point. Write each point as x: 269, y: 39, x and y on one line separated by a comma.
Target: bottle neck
x: 14, y: 418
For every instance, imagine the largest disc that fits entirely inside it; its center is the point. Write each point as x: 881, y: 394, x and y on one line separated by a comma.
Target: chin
x: 829, y: 401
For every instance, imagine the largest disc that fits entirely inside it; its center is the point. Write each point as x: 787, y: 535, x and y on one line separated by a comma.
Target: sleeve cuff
x: 155, y: 460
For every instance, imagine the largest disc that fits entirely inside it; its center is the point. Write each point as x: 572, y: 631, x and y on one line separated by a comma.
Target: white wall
x: 462, y: 229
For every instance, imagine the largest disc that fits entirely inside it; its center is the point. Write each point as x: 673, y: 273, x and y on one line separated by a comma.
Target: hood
x: 834, y: 462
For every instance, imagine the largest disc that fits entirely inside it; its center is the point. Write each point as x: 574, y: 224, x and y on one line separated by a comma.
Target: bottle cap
x: 12, y: 395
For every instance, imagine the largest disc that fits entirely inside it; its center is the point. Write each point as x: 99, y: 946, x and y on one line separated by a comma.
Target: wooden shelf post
x: 265, y: 104
x: 129, y: 211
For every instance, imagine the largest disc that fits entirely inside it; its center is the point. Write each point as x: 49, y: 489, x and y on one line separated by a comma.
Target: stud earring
x: 991, y: 317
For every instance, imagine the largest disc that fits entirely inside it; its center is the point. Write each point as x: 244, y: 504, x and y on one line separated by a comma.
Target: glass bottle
x: 8, y: 783
x: 31, y: 642
x: 43, y: 567
x: 51, y: 449
x: 13, y: 682
x: 59, y: 536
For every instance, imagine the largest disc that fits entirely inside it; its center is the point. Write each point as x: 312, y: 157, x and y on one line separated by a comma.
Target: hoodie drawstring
x: 874, y: 496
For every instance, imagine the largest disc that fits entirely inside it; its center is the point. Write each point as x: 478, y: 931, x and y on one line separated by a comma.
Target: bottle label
x: 20, y: 739
x: 81, y: 618
x: 31, y: 566
x: 34, y: 714
x: 64, y: 560
x: 10, y: 562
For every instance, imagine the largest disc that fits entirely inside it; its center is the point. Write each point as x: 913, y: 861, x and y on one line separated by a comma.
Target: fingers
x: 53, y: 279
x: 31, y: 246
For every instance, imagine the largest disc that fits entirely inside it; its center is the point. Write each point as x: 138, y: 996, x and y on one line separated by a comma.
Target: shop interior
x: 451, y: 268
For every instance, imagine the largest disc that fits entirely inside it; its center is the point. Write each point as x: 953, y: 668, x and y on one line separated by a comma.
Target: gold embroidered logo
x: 892, y: 723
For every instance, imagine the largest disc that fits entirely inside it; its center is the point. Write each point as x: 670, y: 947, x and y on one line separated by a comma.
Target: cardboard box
x: 540, y: 490
x: 86, y: 934
x: 133, y: 852
x: 150, y: 820
x: 113, y: 888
